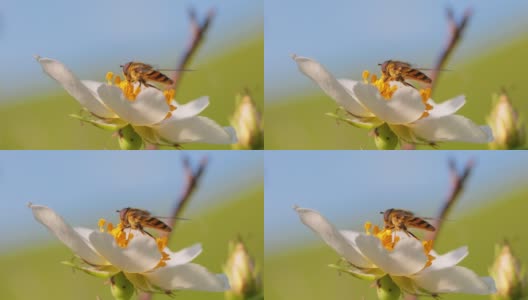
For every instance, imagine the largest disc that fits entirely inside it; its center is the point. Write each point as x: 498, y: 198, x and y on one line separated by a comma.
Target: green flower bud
x: 387, y: 289
x: 129, y: 139
x: 385, y: 138
x: 247, y: 121
x: 240, y: 269
x: 509, y: 274
x: 507, y: 127
x: 121, y: 288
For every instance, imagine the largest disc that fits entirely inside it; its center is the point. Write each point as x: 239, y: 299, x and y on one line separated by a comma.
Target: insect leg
x: 140, y: 228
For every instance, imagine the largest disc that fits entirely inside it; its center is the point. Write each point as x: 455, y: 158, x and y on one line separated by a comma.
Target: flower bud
x: 121, y: 288
x: 509, y: 275
x: 508, y: 130
x: 248, y: 124
x: 385, y: 138
x: 387, y: 289
x: 240, y: 269
x: 129, y: 139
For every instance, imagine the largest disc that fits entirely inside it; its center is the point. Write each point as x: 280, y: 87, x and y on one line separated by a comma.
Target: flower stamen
x: 388, y: 240
x: 162, y: 244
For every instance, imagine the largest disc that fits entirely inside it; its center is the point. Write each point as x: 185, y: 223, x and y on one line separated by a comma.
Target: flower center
x: 387, y: 91
x: 132, y: 92
x: 389, y: 241
x: 122, y: 239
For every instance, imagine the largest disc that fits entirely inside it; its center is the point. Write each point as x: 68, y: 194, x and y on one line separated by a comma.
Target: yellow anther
x: 373, y: 79
x: 426, y: 94
x: 424, y: 115
x: 365, y: 76
x: 117, y: 80
x: 169, y: 95
x: 376, y: 230
x: 428, y: 106
x: 428, y: 246
x: 109, y: 77
x: 101, y: 224
x: 162, y: 243
x: 368, y: 225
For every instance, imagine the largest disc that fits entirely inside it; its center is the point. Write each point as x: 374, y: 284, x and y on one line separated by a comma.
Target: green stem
x: 387, y: 289
x: 385, y: 138
x: 129, y: 139
x: 121, y: 288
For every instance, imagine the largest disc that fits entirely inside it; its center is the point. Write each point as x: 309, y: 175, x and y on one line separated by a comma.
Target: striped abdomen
x: 155, y: 223
x: 420, y: 223
x: 415, y: 74
x: 158, y: 77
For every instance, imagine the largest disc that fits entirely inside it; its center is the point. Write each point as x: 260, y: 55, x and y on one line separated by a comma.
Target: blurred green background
x: 34, y: 109
x: 356, y: 36
x: 228, y: 203
x: 340, y: 186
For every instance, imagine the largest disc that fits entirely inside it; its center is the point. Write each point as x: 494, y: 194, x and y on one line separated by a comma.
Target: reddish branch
x: 456, y: 29
x: 198, y: 31
x: 197, y: 36
x: 458, y: 182
x: 192, y: 178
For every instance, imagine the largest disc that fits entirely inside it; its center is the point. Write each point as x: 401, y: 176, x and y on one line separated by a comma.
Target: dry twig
x: 197, y: 35
x: 192, y: 178
x: 458, y: 181
x: 198, y: 31
x: 456, y: 29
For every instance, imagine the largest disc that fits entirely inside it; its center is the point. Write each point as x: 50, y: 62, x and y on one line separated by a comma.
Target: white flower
x: 153, y: 114
x: 146, y: 262
x: 410, y: 113
x: 411, y: 264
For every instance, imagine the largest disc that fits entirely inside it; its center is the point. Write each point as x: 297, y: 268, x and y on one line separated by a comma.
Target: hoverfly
x: 138, y: 219
x: 393, y: 70
x: 399, y: 219
x: 140, y: 72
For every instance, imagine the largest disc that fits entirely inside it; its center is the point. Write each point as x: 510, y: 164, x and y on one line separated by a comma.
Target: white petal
x: 446, y: 108
x: 449, y: 259
x: 139, y: 256
x: 196, y: 129
x: 187, y: 276
x: 454, y: 280
x: 66, y: 234
x: 332, y: 237
x: 406, y: 258
x: 150, y: 106
x: 404, y: 107
x: 329, y: 84
x: 184, y: 256
x: 58, y: 71
x: 451, y: 128
x: 190, y: 109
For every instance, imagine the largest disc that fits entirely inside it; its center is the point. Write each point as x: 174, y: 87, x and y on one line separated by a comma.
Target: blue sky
x: 350, y: 36
x: 84, y: 186
x: 351, y: 187
x: 87, y: 35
